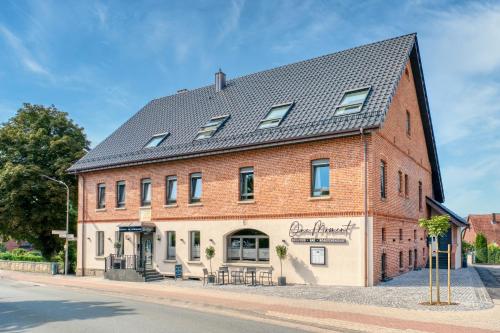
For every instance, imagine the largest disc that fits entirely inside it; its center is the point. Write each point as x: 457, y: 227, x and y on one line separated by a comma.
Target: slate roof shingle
x: 315, y: 86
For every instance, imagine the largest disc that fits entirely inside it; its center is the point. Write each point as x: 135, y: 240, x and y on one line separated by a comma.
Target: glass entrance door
x: 147, y: 249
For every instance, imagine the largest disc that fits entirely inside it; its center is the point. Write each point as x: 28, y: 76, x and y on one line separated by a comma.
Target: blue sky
x: 101, y: 61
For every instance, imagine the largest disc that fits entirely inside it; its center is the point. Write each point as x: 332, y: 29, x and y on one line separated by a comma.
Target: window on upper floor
x: 171, y: 186
x: 146, y: 192
x: 400, y: 234
x: 383, y: 179
x: 383, y: 235
x: 195, y: 187
x: 275, y: 116
x: 320, y: 178
x: 156, y: 140
x: 400, y: 182
x: 120, y: 194
x: 407, y: 185
x: 101, y: 196
x: 246, y: 184
x: 209, y: 129
x: 420, y: 196
x: 408, y: 123
x: 352, y: 101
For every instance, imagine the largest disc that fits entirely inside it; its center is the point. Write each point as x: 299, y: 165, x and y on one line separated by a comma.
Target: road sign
x: 58, y: 232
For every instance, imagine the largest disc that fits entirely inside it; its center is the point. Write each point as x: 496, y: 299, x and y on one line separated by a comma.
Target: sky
x: 101, y: 61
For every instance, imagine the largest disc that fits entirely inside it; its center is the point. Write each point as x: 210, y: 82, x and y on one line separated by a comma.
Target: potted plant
x: 210, y: 253
x: 281, y: 251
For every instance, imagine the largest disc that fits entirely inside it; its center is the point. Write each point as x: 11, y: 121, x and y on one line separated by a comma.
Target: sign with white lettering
x: 320, y: 233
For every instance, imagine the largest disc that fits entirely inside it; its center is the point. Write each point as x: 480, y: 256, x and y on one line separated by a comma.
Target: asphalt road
x: 491, y: 279
x: 30, y: 307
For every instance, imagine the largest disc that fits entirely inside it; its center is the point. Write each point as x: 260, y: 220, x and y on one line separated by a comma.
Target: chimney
x: 220, y: 80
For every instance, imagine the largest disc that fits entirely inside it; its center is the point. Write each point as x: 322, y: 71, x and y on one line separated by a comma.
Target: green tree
x: 481, y: 248
x: 436, y: 226
x: 38, y: 141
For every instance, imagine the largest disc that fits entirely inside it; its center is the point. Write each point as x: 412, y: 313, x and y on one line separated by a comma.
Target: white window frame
x: 314, y: 165
x: 269, y: 122
x: 161, y: 136
x: 101, y: 201
x: 345, y: 108
x: 209, y: 129
x: 122, y: 203
x: 192, y: 251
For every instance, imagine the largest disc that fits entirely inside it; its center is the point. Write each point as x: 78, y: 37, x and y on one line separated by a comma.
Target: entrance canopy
x: 137, y: 227
x: 442, y: 210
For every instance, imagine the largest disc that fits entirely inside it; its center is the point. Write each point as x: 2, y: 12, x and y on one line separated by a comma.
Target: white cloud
x: 231, y: 22
x: 22, y: 53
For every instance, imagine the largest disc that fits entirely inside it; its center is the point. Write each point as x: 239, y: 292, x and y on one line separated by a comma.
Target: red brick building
x: 333, y: 157
x: 487, y: 224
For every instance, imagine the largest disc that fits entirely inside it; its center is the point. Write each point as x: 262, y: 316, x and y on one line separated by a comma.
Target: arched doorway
x: 248, y: 245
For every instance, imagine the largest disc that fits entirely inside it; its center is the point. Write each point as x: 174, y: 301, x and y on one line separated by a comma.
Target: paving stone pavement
x: 406, y: 291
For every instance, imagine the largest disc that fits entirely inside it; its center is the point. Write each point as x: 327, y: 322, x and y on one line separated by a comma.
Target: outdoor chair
x: 222, y: 272
x: 207, y: 275
x: 237, y: 276
x: 251, y: 273
x: 266, y: 274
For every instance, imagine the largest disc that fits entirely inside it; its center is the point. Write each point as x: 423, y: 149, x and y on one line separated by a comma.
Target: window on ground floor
x: 401, y: 259
x: 194, y: 245
x: 248, y: 245
x: 170, y: 245
x: 100, y: 243
x: 410, y: 261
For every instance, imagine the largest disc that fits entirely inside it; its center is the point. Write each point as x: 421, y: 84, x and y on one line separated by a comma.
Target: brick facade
x: 283, y: 184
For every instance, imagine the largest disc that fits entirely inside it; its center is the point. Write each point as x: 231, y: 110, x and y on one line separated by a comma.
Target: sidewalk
x: 317, y: 313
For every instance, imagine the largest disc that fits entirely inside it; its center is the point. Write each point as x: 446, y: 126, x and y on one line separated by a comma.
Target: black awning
x: 137, y: 227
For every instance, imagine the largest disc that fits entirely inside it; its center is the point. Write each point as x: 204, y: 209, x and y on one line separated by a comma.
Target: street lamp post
x: 67, y: 221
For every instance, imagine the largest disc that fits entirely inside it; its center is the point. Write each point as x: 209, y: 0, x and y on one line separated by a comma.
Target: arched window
x: 248, y: 245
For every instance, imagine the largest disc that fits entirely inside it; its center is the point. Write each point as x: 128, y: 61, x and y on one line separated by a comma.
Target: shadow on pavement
x: 491, y: 279
x: 18, y: 316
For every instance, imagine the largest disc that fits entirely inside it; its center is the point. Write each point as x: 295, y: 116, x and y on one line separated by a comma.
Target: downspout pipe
x: 365, y: 200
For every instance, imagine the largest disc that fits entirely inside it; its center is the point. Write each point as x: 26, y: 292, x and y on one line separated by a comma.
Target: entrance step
x: 152, y: 275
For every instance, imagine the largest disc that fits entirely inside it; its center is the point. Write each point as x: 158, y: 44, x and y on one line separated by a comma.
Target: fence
x: 26, y: 266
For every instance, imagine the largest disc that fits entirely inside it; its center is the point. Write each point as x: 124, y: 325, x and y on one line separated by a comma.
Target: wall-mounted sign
x: 317, y: 255
x: 320, y: 233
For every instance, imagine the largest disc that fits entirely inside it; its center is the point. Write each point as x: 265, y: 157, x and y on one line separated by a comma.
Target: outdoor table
x: 253, y: 279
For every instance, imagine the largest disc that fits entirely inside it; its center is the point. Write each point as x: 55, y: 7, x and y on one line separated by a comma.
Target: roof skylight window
x: 209, y: 129
x: 352, y: 101
x: 275, y: 116
x: 156, y: 140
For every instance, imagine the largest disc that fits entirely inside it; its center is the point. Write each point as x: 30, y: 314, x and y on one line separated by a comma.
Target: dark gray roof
x: 315, y: 87
x: 442, y: 209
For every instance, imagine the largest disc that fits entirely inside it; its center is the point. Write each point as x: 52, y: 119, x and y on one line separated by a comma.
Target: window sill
x: 194, y: 262
x: 170, y: 261
x: 100, y: 210
x: 145, y: 207
x: 120, y: 208
x: 324, y: 197
x: 170, y: 206
x: 246, y: 202
x: 195, y: 204
x: 100, y: 257
x: 246, y: 264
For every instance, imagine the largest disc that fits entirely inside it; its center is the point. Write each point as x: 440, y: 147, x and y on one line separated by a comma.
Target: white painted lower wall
x: 344, y: 262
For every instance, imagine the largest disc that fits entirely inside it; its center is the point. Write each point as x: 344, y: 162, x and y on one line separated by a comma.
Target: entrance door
x: 147, y: 249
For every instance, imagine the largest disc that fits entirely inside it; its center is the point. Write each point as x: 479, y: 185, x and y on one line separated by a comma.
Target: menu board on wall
x: 317, y: 255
